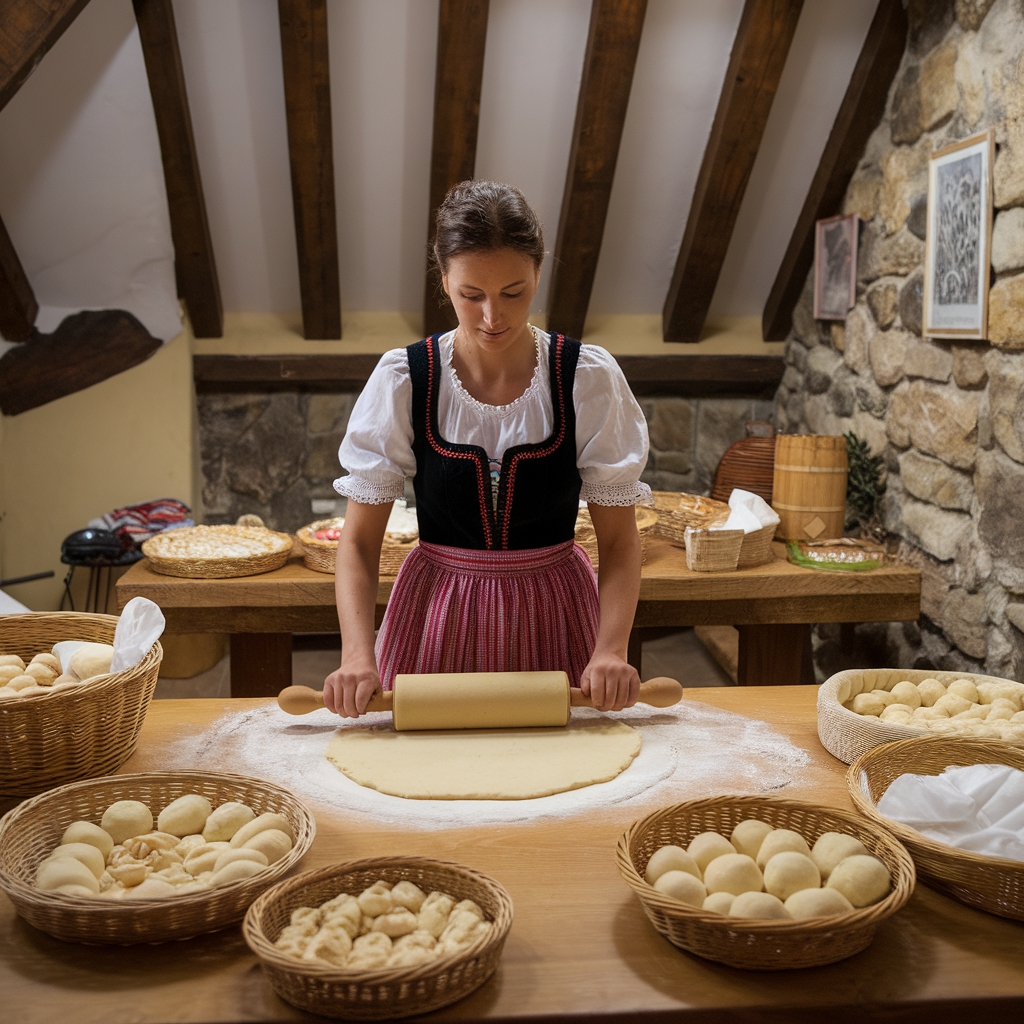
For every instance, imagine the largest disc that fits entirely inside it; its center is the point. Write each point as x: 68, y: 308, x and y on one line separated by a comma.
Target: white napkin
x: 750, y: 512
x: 979, y: 808
x: 139, y: 627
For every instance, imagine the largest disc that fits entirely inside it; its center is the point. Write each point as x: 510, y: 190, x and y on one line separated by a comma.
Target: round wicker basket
x: 30, y: 831
x: 760, y: 945
x: 219, y: 568
x: 847, y: 735
x: 586, y: 535
x: 319, y: 555
x: 88, y: 730
x: 386, y: 993
x: 989, y: 883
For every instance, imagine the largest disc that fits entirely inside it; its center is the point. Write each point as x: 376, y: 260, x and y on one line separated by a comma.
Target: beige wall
x: 126, y: 440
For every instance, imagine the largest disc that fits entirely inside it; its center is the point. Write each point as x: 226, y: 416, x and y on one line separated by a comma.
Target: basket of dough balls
x: 861, y: 709
x: 67, y: 719
x: 764, y: 883
x: 380, y: 938
x: 956, y: 805
x: 150, y: 857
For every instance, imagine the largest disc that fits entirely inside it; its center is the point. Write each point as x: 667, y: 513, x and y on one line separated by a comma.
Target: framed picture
x: 959, y: 234
x: 835, y: 267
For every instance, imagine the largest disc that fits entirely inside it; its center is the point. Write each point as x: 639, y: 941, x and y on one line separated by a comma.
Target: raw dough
x: 87, y: 832
x: 670, y: 858
x: 91, y: 660
x: 486, y: 764
x: 818, y: 903
x: 778, y: 841
x: 226, y: 820
x: 861, y: 879
x: 719, y: 902
x: 260, y: 824
x: 704, y: 848
x: 735, y: 873
x: 930, y: 690
x: 761, y: 905
x: 271, y: 842
x: 832, y: 847
x: 126, y: 819
x: 789, y: 872
x: 85, y: 853
x: 678, y: 885
x: 185, y: 816
x: 748, y: 836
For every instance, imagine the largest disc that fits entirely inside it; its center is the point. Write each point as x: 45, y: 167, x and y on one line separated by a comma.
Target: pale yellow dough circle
x: 485, y: 764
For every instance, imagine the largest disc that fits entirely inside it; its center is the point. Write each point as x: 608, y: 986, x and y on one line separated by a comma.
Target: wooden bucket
x: 809, y: 486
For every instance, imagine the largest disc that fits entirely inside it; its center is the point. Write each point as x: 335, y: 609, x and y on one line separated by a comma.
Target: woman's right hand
x: 348, y: 690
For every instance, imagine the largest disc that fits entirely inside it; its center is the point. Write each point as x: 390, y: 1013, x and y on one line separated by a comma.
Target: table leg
x: 775, y: 655
x: 261, y: 664
x: 634, y: 650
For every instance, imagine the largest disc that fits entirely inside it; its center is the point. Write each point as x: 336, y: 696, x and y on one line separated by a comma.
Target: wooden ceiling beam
x: 461, y: 39
x: 759, y: 54
x: 194, y: 264
x: 307, y: 96
x: 859, y: 114
x: 18, y: 306
x: 612, y: 45
x: 28, y: 28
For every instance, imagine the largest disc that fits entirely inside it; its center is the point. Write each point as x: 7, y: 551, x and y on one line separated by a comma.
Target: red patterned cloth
x: 461, y: 610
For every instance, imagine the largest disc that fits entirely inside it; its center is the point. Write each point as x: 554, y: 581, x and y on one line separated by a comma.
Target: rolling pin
x: 479, y: 700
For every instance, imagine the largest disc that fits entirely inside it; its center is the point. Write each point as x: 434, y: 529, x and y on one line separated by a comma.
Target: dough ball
x: 897, y: 714
x: 415, y: 940
x: 152, y: 889
x: 42, y: 674
x: 923, y: 715
x: 707, y: 846
x: 989, y: 692
x: 230, y: 856
x: 50, y: 660
x: 781, y: 840
x: 126, y: 819
x: 761, y: 905
x: 718, y: 902
x: 1002, y: 711
x: 411, y: 956
x: 907, y: 693
x: 32, y: 691
x: 343, y: 912
x: 6, y: 693
x: 789, y: 872
x: 58, y: 871
x: 271, y: 842
x: 87, y: 832
x: 73, y: 890
x: 467, y: 906
x: 953, y: 704
x: 748, y: 836
x: 306, y: 919
x: 862, y: 879
x: 236, y: 871
x: 261, y: 824
x: 734, y: 873
x: 397, y: 923
x: 330, y: 945
x: 369, y: 952
x: 12, y: 659
x: 463, y: 930
x: 832, y: 847
x: 406, y: 894
x: 670, y: 858
x: 1018, y: 718
x: 868, y: 704
x: 224, y: 821
x: 884, y: 696
x: 91, y: 660
x: 974, y: 713
x: 372, y: 902
x: 930, y: 690
x: 9, y: 672
x: 682, y: 886
x: 22, y: 682
x: 184, y: 816
x: 204, y: 858
x: 966, y: 689
x: 85, y: 853
x: 818, y: 903
x: 433, y: 915
x: 129, y: 873
x: 189, y: 843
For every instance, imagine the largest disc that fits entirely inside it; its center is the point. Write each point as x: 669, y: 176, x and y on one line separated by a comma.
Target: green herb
x: 865, y: 486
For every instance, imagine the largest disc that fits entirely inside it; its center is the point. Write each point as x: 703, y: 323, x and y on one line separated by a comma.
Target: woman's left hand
x: 611, y: 683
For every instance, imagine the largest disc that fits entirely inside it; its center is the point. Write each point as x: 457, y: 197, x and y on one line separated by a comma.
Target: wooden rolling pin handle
x: 661, y: 692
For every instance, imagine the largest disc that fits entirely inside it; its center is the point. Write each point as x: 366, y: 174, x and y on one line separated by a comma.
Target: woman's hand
x: 611, y: 683
x: 348, y: 690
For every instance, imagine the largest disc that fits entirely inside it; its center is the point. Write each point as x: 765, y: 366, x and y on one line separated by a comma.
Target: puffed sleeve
x: 611, y: 432
x: 377, y: 449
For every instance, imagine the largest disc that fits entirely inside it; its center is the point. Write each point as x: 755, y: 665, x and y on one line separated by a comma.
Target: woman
x: 503, y: 429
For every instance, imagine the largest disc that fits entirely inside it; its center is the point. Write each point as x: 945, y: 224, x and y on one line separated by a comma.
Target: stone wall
x: 949, y: 417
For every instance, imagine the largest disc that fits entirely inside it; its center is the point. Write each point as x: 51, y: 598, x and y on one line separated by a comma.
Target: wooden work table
x: 580, y: 947
x: 773, y: 605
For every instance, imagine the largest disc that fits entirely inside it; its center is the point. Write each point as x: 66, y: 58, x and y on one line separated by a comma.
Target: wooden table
x: 580, y: 947
x: 773, y: 605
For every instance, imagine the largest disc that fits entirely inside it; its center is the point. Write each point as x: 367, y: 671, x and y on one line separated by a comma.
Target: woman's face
x: 491, y: 292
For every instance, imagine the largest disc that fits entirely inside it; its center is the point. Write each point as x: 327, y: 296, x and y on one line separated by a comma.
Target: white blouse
x: 611, y: 432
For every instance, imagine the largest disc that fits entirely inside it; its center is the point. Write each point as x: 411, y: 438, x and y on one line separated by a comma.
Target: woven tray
x: 760, y: 945
x: 712, y: 550
x: 88, y: 730
x: 586, y: 535
x: 994, y: 884
x: 218, y: 568
x: 386, y: 993
x: 756, y: 548
x: 319, y: 555
x: 30, y: 831
x: 676, y: 511
x: 847, y: 735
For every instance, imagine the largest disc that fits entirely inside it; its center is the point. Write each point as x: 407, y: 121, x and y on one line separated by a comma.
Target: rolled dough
x: 486, y: 764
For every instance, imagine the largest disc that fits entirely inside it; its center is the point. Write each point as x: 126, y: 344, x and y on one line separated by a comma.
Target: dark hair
x: 481, y: 216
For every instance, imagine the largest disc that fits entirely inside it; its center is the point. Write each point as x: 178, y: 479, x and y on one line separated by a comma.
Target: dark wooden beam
x: 85, y: 349
x: 758, y: 56
x: 859, y: 114
x: 615, y: 28
x: 307, y: 97
x: 461, y: 37
x: 194, y: 264
x: 689, y: 376
x: 28, y: 28
x: 18, y: 306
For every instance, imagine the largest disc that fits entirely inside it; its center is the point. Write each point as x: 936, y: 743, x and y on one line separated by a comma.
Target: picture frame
x: 958, y: 239
x: 835, y: 266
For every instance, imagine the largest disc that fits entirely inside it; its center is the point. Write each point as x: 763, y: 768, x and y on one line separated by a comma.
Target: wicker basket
x: 989, y: 883
x: 30, y: 831
x: 319, y: 555
x: 712, y: 550
x: 760, y: 945
x: 389, y: 992
x: 84, y: 731
x: 847, y: 735
x: 756, y: 548
x: 677, y: 511
x: 748, y: 464
x: 586, y: 535
x: 219, y: 568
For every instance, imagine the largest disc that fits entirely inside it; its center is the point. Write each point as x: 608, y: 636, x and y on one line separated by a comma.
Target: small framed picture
x: 959, y: 234
x: 835, y: 267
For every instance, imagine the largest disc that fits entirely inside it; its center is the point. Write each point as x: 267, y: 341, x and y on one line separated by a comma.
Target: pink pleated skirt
x: 460, y: 610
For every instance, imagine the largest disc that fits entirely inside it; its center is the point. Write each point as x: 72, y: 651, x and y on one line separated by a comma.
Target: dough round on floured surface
x: 485, y: 764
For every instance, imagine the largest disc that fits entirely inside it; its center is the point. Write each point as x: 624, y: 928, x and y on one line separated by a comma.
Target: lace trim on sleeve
x: 617, y: 494
x: 367, y: 492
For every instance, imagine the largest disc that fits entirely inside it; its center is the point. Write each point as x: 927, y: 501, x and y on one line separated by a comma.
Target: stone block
x: 792, y: 378
x: 671, y: 424
x: 911, y: 303
x: 904, y: 177
x: 841, y: 398
x: 905, y: 119
x: 838, y: 332
x: 267, y: 458
x: 898, y: 255
x: 999, y: 482
x: 887, y: 353
x: 931, y: 480
x: 1006, y: 313
x: 970, y: 81
x: 1006, y: 401
x: 1008, y: 173
x: 672, y: 462
x: 968, y: 367
x: 923, y: 359
x: 1015, y: 614
x: 939, y: 92
x: 917, y: 219
x: 927, y: 22
x: 329, y: 413
x: 871, y: 430
x: 870, y: 397
x: 957, y: 661
x: 940, y: 421
x: 821, y: 419
x: 963, y: 621
x: 720, y: 422
x: 1008, y: 240
x: 860, y: 329
x: 322, y: 457
x: 796, y: 354
x: 882, y: 299
x: 935, y: 530
x: 971, y: 13
x: 805, y: 327
x: 862, y: 193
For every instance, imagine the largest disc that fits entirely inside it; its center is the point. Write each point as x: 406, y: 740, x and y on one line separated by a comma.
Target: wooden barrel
x: 809, y: 486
